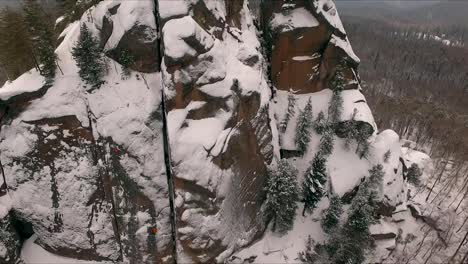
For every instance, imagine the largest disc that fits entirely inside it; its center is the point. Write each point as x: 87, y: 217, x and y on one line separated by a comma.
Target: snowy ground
x: 32, y: 253
x: 284, y: 248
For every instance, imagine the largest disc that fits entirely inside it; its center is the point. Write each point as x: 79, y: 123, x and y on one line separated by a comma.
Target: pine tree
x: 361, y: 135
x: 414, y: 174
x: 281, y: 196
x: 308, y: 255
x: 376, y: 175
x: 326, y: 142
x: 337, y: 85
x: 320, y: 124
x: 335, y: 108
x: 363, y: 147
x: 350, y: 130
x: 290, y: 113
x: 42, y: 38
x: 88, y: 58
x: 332, y: 215
x: 304, y: 125
x: 313, y: 187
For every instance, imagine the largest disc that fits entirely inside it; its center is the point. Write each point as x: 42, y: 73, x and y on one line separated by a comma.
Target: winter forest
x: 233, y: 131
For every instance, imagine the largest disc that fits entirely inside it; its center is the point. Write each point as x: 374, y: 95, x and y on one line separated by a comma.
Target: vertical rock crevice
x: 166, y: 142
x: 170, y: 178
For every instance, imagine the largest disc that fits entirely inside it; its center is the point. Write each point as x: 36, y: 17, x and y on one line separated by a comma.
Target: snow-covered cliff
x: 85, y: 169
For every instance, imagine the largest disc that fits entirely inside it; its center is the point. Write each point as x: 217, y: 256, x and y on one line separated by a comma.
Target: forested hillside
x: 416, y: 80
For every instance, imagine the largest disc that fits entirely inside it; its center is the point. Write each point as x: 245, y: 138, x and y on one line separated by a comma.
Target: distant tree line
x: 417, y: 87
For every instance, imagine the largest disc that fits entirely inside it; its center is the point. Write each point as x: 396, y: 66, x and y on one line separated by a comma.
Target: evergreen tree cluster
x: 89, y: 59
x: 281, y: 196
x: 349, y: 243
x: 28, y: 37
x: 42, y: 38
x: 27, y: 40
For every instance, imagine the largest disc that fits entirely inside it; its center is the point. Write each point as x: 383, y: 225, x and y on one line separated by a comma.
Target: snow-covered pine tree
x: 281, y: 196
x: 326, y: 142
x: 42, y: 38
x: 307, y: 255
x: 335, y: 108
x: 126, y: 60
x: 320, y: 124
x: 313, y: 187
x: 303, y: 129
x: 337, y: 85
x: 414, y: 174
x: 350, y: 129
x: 361, y: 136
x: 88, y: 58
x: 290, y: 113
x: 332, y: 214
x: 376, y: 175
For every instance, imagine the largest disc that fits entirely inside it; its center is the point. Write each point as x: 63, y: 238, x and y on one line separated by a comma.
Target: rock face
x: 219, y: 121
x: 308, y: 42
x: 86, y: 168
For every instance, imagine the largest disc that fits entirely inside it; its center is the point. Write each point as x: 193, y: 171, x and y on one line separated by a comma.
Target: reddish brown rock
x: 304, y: 59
